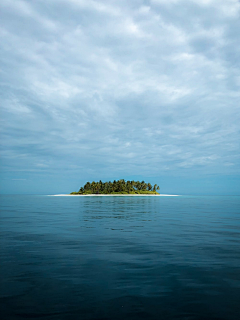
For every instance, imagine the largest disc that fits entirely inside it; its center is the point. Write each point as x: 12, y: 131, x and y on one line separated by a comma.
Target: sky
x: 118, y: 89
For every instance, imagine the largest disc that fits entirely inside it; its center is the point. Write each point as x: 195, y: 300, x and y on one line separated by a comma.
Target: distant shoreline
x: 114, y: 195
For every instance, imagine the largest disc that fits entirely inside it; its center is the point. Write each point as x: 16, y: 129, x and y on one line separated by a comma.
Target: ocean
x: 120, y: 257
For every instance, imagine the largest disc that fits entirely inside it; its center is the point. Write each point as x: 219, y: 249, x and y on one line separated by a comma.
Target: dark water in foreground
x: 120, y: 257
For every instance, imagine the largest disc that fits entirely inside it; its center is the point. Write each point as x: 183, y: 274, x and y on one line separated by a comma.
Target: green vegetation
x: 118, y: 187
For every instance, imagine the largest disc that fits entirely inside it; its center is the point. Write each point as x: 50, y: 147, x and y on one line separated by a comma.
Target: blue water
x: 120, y: 257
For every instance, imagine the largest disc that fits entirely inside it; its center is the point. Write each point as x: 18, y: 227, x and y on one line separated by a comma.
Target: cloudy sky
x: 109, y: 89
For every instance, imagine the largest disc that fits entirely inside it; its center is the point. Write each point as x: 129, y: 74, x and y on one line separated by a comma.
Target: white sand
x: 114, y: 195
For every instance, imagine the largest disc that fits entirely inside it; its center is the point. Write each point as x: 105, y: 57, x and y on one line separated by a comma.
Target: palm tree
x: 128, y: 186
x: 93, y: 186
x: 117, y: 186
x: 87, y: 186
x: 143, y: 185
x: 149, y: 186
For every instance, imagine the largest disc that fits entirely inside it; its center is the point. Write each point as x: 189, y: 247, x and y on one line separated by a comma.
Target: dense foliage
x: 118, y: 187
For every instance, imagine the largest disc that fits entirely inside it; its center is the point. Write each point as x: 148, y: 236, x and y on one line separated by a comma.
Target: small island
x: 118, y: 187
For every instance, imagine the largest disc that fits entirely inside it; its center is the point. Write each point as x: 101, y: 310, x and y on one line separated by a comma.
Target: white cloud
x: 148, y: 87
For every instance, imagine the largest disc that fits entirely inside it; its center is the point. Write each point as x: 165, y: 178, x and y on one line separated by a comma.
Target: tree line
x: 118, y: 186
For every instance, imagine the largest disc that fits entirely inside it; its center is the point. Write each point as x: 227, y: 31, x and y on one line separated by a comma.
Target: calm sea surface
x: 120, y: 257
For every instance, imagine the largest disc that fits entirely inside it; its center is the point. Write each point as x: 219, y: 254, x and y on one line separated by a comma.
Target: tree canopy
x: 118, y: 187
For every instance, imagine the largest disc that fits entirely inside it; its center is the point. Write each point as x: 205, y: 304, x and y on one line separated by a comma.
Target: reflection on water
x: 120, y: 257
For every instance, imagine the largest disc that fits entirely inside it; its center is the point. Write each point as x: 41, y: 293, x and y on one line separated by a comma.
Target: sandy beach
x: 114, y: 195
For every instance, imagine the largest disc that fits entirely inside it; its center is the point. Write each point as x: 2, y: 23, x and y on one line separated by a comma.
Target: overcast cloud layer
x: 117, y: 89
